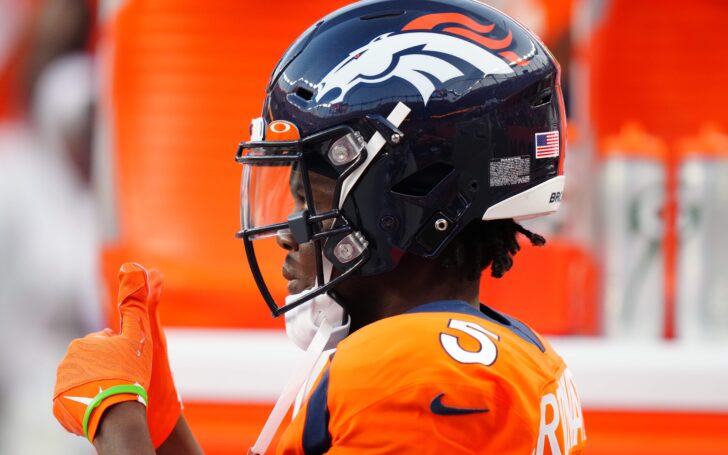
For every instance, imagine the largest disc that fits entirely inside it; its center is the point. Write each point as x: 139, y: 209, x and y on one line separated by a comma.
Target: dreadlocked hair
x: 486, y: 243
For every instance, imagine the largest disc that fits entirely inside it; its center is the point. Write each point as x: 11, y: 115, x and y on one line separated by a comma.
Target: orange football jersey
x: 441, y: 378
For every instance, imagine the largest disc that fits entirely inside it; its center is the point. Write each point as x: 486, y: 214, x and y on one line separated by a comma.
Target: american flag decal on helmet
x: 547, y: 144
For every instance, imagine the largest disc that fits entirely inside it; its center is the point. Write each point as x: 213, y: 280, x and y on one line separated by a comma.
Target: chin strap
x: 295, y: 382
x: 302, y: 322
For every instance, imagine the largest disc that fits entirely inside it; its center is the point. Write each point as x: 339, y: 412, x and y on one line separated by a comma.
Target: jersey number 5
x: 486, y: 352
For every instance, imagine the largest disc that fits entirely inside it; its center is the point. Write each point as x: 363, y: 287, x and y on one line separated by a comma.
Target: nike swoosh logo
x: 438, y: 408
x: 83, y: 400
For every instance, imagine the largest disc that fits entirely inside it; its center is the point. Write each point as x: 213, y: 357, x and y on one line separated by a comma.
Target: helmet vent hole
x: 542, y: 92
x: 382, y: 15
x: 304, y: 93
x: 543, y: 98
x: 422, y: 182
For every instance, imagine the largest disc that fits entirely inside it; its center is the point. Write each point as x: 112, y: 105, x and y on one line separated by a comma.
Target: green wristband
x: 104, y: 394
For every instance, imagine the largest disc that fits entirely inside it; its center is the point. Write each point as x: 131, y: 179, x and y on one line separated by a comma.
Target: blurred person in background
x: 48, y: 241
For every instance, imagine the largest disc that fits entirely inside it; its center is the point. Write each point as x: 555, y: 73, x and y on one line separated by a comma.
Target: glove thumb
x: 133, y: 296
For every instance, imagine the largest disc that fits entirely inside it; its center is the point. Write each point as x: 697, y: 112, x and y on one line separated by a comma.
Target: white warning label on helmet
x: 510, y: 171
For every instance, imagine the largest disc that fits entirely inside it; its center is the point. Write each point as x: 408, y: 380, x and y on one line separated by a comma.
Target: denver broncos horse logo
x: 380, y: 60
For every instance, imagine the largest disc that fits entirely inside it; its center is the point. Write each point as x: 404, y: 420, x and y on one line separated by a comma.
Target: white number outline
x: 485, y: 355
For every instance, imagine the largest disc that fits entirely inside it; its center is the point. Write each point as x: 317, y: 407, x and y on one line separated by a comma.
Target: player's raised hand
x: 105, y: 368
x: 164, y: 406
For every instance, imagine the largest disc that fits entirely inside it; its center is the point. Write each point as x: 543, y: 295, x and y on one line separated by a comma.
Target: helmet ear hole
x: 422, y: 182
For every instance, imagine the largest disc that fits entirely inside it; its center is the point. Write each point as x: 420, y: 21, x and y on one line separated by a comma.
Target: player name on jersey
x: 560, y: 408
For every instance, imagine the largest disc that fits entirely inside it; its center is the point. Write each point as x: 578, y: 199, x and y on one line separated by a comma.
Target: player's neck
x: 413, y: 283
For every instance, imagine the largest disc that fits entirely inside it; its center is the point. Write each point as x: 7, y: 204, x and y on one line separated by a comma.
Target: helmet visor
x: 271, y: 191
x: 266, y: 194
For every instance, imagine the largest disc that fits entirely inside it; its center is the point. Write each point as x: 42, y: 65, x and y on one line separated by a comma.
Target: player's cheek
x: 307, y: 263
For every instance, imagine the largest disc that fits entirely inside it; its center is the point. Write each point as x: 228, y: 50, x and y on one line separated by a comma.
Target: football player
x: 399, y: 140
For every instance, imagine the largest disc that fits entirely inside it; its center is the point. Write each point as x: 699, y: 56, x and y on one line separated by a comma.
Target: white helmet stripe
x: 374, y: 146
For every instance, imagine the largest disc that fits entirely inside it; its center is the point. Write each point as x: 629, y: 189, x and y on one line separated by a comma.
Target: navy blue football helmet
x: 428, y: 114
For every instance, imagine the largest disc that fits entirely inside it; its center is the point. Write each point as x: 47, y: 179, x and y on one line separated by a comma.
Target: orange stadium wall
x: 183, y: 79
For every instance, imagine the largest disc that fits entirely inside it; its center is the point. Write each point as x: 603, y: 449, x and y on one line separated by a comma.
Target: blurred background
x: 119, y: 120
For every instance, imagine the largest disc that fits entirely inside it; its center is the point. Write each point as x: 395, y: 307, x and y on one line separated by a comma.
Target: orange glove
x: 103, y: 368
x: 164, y: 407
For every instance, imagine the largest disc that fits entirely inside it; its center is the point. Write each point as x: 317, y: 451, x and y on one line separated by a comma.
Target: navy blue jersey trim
x: 316, y: 436
x: 446, y: 306
x: 485, y: 312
